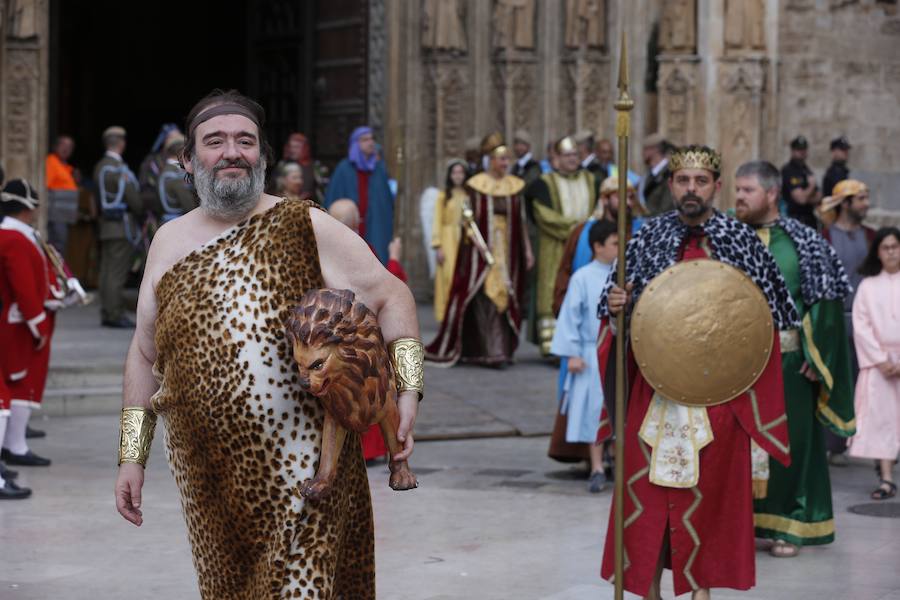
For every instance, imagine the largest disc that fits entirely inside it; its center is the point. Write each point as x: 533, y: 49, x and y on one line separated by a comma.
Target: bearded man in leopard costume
x: 210, y: 356
x: 818, y: 381
x: 696, y: 520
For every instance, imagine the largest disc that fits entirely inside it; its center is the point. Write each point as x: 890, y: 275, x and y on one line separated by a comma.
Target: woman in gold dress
x: 447, y: 231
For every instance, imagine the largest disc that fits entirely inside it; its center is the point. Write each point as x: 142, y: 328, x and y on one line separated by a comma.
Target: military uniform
x: 838, y: 171
x: 796, y: 174
x: 175, y: 196
x: 121, y: 205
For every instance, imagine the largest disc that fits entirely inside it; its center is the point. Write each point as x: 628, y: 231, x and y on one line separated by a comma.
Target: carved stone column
x: 515, y: 65
x: 742, y: 84
x: 23, y: 95
x: 679, y: 94
x: 586, y: 73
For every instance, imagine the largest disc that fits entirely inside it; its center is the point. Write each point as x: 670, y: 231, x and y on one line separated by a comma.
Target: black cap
x: 840, y: 143
x: 20, y: 191
x: 799, y: 143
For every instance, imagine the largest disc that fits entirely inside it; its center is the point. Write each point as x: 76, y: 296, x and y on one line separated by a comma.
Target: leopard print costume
x: 241, y: 436
x: 655, y: 248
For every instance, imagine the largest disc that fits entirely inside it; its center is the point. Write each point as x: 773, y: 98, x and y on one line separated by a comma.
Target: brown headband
x: 219, y: 110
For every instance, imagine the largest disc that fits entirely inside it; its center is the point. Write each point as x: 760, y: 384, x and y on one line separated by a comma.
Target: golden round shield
x: 701, y: 332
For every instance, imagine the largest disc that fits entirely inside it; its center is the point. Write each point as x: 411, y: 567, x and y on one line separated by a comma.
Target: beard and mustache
x: 229, y: 198
x: 695, y: 210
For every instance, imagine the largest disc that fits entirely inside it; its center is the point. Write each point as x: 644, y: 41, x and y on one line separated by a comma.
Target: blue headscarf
x: 164, y: 131
x: 356, y: 156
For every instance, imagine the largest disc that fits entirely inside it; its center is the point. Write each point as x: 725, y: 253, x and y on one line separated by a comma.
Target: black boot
x: 34, y: 433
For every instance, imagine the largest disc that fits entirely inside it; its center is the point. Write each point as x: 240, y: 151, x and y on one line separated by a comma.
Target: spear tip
x: 623, y: 65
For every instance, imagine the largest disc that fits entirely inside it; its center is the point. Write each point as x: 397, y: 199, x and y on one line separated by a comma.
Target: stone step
x: 82, y: 401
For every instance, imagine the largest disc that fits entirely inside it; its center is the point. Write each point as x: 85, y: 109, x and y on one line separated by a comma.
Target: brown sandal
x: 783, y: 549
x: 885, y: 493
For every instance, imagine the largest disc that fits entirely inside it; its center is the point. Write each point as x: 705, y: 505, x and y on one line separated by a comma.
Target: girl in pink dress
x: 876, y: 332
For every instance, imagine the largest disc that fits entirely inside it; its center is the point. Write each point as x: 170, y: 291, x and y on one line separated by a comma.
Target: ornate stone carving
x: 585, y: 23
x: 443, y: 25
x: 677, y: 100
x: 745, y: 25
x: 450, y: 82
x: 678, y: 27
x: 513, y: 24
x: 741, y: 118
x: 23, y: 19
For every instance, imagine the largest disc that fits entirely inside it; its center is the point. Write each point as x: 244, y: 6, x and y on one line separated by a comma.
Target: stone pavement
x: 466, y: 401
x: 494, y: 519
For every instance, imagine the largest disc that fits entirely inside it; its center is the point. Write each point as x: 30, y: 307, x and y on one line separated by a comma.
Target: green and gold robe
x: 797, y: 507
x: 557, y: 203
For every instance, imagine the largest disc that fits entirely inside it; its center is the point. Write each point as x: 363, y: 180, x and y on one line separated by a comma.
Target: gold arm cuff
x: 138, y: 425
x: 408, y: 357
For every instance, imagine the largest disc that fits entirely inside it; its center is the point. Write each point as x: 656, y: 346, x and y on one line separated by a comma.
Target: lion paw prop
x: 342, y: 360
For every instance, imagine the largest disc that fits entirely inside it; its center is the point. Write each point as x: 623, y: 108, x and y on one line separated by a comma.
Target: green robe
x: 797, y: 507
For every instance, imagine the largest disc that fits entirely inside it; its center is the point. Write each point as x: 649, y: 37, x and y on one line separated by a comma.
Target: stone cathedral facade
x: 744, y: 76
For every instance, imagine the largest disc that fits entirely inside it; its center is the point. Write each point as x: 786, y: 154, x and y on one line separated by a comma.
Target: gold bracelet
x: 407, y: 357
x: 138, y: 425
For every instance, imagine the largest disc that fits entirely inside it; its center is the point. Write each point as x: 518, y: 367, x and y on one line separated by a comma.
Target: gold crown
x: 695, y: 158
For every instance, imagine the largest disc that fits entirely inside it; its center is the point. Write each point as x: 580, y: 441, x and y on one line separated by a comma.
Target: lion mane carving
x: 342, y: 360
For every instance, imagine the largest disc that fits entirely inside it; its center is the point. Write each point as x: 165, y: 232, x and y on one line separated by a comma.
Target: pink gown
x: 876, y: 332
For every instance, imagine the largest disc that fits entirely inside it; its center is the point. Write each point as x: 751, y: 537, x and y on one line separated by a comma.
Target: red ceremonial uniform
x: 710, y: 525
x: 24, y: 288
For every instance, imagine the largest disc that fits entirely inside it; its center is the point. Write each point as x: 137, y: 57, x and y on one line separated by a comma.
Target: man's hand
x: 40, y: 342
x: 808, y: 372
x: 439, y: 256
x: 618, y: 298
x: 576, y: 364
x: 408, y: 403
x: 128, y: 492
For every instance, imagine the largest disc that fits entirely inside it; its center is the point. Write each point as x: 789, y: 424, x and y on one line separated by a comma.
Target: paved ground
x: 494, y: 518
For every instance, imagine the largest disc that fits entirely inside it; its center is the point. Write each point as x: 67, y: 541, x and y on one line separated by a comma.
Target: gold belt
x: 790, y: 340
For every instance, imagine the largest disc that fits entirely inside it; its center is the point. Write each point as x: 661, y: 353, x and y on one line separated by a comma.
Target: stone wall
x: 839, y: 73
x: 23, y: 90
x: 460, y: 69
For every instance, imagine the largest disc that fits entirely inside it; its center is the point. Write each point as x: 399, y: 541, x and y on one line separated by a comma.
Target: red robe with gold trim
x: 709, y: 526
x: 24, y: 288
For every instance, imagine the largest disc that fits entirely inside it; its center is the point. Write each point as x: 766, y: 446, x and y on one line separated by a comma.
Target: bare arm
x: 140, y: 384
x: 348, y: 263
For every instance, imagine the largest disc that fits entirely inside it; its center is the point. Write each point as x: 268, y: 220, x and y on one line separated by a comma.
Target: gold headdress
x: 567, y: 144
x: 696, y: 157
x: 493, y: 144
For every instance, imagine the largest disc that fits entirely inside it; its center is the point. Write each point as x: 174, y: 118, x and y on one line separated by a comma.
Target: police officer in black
x: 798, y: 184
x: 838, y: 171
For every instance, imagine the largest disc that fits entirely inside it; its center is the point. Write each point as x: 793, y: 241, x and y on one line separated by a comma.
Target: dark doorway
x: 140, y: 65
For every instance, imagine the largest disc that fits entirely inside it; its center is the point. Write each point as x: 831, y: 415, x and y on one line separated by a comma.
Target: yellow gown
x: 445, y: 235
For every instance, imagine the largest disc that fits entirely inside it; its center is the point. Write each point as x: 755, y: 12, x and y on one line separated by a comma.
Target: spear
x: 623, y: 106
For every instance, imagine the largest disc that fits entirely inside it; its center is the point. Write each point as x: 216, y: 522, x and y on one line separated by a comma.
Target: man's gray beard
x: 231, y: 198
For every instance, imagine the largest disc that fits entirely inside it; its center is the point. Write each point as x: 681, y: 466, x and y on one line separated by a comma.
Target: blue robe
x: 577, y: 328
x: 380, y: 210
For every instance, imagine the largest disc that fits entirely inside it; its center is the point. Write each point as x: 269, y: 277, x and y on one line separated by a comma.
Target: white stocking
x: 3, y: 419
x: 14, y: 441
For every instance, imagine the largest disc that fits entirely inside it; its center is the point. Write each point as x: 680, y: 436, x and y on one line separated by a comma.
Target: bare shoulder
x: 172, y: 242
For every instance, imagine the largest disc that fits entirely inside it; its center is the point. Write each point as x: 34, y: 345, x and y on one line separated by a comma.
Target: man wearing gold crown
x: 483, y: 317
x: 696, y: 519
x: 796, y: 509
x: 557, y: 202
